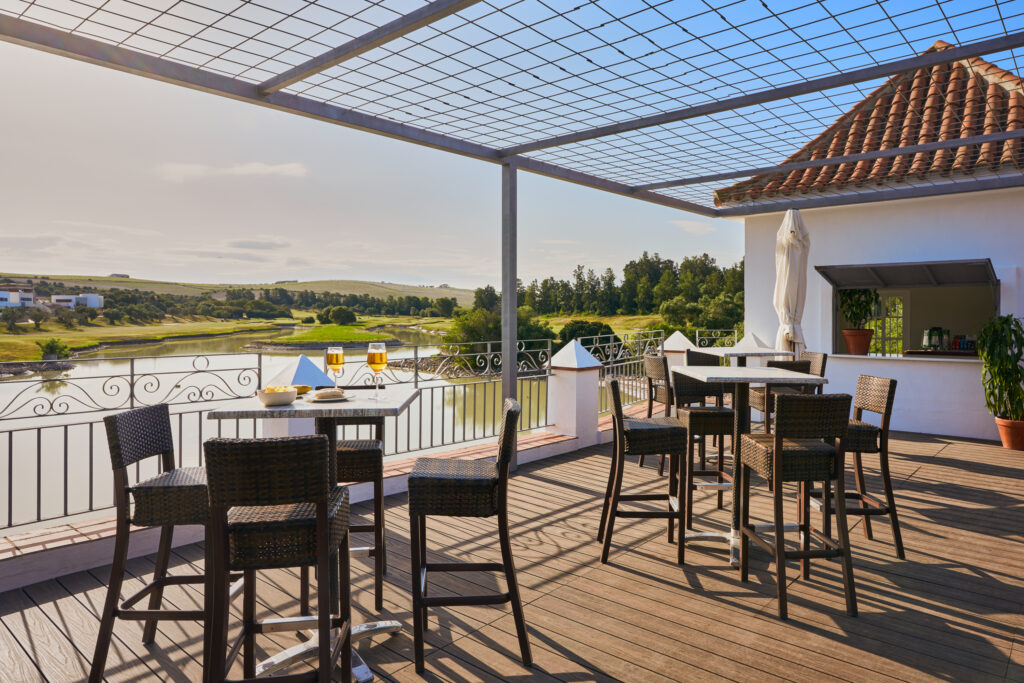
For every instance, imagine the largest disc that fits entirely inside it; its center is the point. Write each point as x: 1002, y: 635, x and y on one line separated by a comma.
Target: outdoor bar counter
x: 935, y: 394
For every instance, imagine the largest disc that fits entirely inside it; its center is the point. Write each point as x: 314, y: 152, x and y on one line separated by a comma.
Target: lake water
x: 53, y: 451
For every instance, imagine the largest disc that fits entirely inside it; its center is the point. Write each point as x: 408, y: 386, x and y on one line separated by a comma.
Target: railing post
x: 416, y: 366
x: 259, y: 369
x: 573, y: 393
x: 131, y: 383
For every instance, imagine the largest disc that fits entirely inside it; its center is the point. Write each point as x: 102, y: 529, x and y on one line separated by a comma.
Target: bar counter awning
x: 906, y: 275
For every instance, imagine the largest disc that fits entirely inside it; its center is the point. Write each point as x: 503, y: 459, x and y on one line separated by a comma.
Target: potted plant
x: 1001, y: 347
x: 857, y: 305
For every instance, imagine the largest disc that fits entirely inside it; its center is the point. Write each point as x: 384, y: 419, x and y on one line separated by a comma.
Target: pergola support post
x: 509, y: 285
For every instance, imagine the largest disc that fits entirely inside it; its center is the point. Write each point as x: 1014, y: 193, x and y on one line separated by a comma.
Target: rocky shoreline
x: 31, y: 367
x: 159, y: 340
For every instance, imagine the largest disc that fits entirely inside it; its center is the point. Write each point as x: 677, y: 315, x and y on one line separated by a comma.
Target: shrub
x: 309, y: 320
x: 54, y: 347
x: 11, y: 316
x: 342, y: 316
x: 66, y: 318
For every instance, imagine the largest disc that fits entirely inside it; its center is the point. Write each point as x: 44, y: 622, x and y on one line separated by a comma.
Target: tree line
x: 695, y: 292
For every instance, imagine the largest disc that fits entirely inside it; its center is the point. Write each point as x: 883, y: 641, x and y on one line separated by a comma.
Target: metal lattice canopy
x: 662, y: 100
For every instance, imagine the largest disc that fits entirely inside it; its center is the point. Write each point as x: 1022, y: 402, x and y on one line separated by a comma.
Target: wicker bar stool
x: 464, y: 488
x: 362, y: 460
x: 807, y: 446
x: 710, y: 360
x: 176, y: 496
x: 760, y: 397
x: 875, y: 395
x: 650, y: 436
x: 700, y: 422
x: 274, y: 504
x: 659, y: 390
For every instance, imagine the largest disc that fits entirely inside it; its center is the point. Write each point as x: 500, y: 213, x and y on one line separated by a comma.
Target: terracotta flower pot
x: 1011, y: 432
x: 858, y: 341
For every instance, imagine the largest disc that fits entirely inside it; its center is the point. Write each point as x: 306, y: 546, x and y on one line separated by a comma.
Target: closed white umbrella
x: 791, y: 245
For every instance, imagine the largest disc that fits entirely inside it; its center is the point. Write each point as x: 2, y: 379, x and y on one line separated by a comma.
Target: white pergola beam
x: 381, y: 35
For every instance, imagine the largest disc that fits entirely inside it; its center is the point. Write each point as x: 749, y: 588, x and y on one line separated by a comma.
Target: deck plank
x: 953, y: 610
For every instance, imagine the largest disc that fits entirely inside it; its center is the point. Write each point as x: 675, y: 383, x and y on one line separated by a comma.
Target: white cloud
x: 102, y: 227
x: 182, y: 173
x: 268, y: 243
x: 696, y: 227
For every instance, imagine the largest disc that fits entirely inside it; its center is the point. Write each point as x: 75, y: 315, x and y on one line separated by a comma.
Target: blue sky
x: 106, y: 172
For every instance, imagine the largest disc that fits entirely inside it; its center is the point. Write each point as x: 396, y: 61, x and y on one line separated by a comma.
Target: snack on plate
x: 329, y: 393
x: 276, y: 396
x: 302, y: 388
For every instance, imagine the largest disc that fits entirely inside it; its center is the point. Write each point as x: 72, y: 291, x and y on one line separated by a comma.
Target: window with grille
x: 888, y: 327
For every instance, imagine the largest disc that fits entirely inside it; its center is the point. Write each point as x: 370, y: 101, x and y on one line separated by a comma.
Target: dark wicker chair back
x: 701, y: 358
x: 690, y: 390
x: 261, y: 472
x: 810, y: 416
x: 507, y: 435
x: 875, y: 394
x: 138, y: 434
x: 818, y: 361
x: 616, y: 396
x: 803, y: 366
x: 656, y: 368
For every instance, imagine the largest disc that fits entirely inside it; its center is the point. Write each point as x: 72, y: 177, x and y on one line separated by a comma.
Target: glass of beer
x: 335, y: 361
x: 377, y: 359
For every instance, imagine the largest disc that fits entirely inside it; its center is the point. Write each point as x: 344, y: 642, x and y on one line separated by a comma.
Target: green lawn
x: 333, y: 333
x: 376, y: 289
x: 618, y: 323
x: 442, y: 324
x: 22, y: 346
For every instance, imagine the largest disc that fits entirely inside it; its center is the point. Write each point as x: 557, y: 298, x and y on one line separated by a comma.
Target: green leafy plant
x: 1001, y: 347
x: 858, y: 305
x: 55, y: 347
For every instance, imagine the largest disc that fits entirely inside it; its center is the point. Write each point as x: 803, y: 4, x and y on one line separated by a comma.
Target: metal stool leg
x: 418, y: 576
x: 117, y: 568
x: 513, y: 587
x: 862, y: 490
x: 890, y: 500
x: 163, y: 557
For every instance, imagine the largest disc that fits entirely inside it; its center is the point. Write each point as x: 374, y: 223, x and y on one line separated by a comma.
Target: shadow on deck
x: 951, y: 611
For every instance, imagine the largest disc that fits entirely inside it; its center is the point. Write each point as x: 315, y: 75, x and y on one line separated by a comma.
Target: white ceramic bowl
x: 277, y: 398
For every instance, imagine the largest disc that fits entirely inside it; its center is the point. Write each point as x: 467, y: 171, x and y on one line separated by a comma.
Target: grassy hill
x: 377, y: 289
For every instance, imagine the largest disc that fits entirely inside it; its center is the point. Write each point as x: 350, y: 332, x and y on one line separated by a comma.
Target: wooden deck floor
x: 951, y: 611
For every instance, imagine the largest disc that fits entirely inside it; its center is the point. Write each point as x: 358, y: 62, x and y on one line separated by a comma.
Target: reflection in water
x: 66, y: 455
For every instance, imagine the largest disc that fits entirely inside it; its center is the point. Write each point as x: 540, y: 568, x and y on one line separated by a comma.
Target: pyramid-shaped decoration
x: 677, y: 341
x: 573, y: 356
x: 751, y: 342
x: 956, y: 99
x: 301, y: 370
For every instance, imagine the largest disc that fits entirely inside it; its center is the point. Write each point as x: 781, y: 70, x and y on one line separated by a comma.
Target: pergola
x: 659, y: 100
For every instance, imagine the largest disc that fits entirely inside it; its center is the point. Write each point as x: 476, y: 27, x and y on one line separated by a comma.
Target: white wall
x: 964, y: 226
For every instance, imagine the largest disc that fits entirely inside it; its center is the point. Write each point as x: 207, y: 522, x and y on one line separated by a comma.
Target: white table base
x: 296, y: 653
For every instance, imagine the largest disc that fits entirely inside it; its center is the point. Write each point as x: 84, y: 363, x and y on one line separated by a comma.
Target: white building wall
x: 933, y: 396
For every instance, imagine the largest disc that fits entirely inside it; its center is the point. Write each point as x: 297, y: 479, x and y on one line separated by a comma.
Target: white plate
x: 326, y: 400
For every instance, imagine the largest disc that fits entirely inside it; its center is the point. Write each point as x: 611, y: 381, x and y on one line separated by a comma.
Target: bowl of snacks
x: 277, y: 395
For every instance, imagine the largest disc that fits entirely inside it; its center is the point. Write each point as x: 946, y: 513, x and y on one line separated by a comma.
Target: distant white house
x: 73, y: 300
x: 17, y: 296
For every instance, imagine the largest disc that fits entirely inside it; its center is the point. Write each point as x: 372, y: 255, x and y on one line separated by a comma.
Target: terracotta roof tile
x: 958, y: 99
